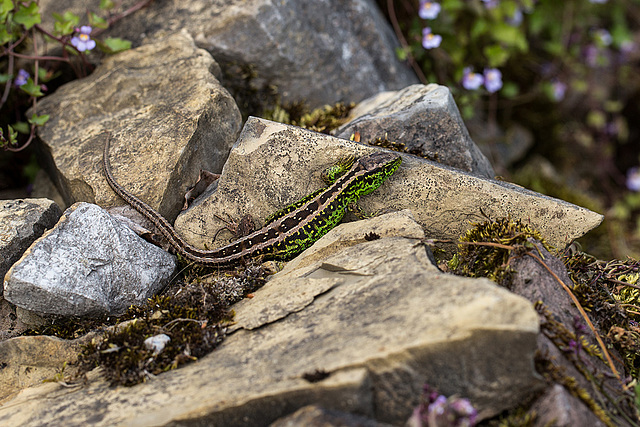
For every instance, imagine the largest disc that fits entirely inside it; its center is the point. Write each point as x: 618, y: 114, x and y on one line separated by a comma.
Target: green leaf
x: 97, y: 22
x: 65, y: 23
x: 31, y: 88
x: 106, y: 4
x: 28, y: 16
x: 114, y: 45
x: 5, y: 78
x: 6, y: 6
x: 22, y: 127
x: 510, y: 90
x: 496, y: 55
x: 39, y: 120
x: 5, y: 37
x: 479, y: 28
x: 510, y: 36
x: 13, y: 135
x: 45, y: 75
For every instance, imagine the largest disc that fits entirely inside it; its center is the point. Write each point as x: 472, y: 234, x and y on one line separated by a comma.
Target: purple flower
x: 471, y: 80
x: 492, y: 79
x: 21, y: 78
x: 490, y: 4
x: 429, y: 9
x: 598, y: 1
x: 516, y: 18
x: 462, y: 408
x: 82, y: 41
x: 603, y: 37
x: 438, y: 406
x: 558, y: 90
x: 633, y: 179
x: 430, y: 40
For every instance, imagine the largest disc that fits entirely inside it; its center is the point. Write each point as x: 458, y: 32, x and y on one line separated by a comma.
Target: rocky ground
x: 348, y: 332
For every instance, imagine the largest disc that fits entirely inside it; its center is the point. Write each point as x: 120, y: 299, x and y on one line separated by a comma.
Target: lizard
x: 289, y: 231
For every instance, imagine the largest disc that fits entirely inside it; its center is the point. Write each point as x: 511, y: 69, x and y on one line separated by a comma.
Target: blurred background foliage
x: 564, y: 120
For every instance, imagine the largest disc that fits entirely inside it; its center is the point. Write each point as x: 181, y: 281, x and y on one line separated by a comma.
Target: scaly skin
x: 290, y: 230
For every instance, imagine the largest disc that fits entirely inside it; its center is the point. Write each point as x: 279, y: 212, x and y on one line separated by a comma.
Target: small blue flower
x: 603, y: 37
x: 430, y: 40
x: 429, y: 9
x: 492, y: 79
x: 598, y: 1
x: 633, y: 179
x: 82, y: 41
x: 558, y: 90
x: 516, y: 18
x: 21, y: 78
x: 471, y: 80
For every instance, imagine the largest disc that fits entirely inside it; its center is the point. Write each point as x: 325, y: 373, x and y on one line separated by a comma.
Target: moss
x: 324, y: 119
x: 193, y: 314
x: 482, y: 252
x: 610, y: 292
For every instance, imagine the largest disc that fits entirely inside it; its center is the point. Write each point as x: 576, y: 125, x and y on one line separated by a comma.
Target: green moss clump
x: 324, y: 119
x: 482, y: 252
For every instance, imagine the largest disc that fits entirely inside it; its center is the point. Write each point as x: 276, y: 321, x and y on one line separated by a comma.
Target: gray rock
x: 21, y: 222
x: 425, y: 119
x: 315, y: 51
x: 391, y: 322
x: 558, y: 408
x: 273, y: 165
x: 167, y: 117
x: 89, y: 264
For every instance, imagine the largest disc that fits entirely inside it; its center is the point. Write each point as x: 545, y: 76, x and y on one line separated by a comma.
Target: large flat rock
x: 273, y: 165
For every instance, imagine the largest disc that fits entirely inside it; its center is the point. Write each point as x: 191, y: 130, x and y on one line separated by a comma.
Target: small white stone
x: 157, y: 343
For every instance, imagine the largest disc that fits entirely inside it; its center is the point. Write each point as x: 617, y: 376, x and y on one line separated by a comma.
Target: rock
x: 88, y: 265
x: 273, y: 165
x: 320, y: 52
x: 167, y: 117
x: 27, y: 361
x: 316, y: 416
x: 43, y: 187
x: 10, y: 325
x: 533, y: 281
x: 21, y: 222
x: 426, y: 120
x: 557, y: 407
x: 392, y: 322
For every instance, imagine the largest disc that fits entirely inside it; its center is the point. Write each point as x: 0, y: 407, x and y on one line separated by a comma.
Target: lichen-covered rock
x: 21, y: 222
x: 89, y: 264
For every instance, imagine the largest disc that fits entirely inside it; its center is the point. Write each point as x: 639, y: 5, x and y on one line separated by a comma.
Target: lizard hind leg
x: 339, y: 168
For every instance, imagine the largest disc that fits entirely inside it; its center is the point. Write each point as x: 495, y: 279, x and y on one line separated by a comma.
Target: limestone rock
x: 424, y: 118
x: 165, y: 112
x: 391, y: 322
x: 88, y: 264
x: 320, y: 52
x: 21, y: 222
x: 273, y: 165
x: 27, y: 361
